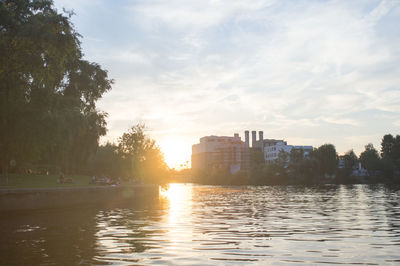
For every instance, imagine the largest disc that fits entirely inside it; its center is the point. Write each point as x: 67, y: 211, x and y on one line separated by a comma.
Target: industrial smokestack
x: 253, y: 138
x: 261, y: 137
x: 246, y: 139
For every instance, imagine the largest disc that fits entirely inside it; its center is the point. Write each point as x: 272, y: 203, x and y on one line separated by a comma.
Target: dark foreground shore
x: 49, y: 198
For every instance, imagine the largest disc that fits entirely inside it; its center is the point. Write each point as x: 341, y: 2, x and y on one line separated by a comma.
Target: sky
x: 310, y: 72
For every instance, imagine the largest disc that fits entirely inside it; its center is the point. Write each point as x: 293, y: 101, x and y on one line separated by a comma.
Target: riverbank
x: 43, y: 181
x: 16, y: 199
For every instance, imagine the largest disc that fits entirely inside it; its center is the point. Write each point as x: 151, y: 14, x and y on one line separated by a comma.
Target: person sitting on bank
x: 61, y: 178
x: 100, y: 180
x: 93, y: 180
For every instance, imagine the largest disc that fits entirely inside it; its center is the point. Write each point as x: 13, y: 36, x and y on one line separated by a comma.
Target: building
x: 231, y: 153
x: 357, y: 170
x: 271, y: 152
x: 360, y: 171
x: 341, y: 162
x: 261, y: 143
x: 220, y: 152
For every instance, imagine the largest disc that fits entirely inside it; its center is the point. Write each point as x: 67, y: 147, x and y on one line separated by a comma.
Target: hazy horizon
x: 310, y: 72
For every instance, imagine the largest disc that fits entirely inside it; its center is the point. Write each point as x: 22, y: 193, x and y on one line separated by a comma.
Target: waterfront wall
x: 30, y: 199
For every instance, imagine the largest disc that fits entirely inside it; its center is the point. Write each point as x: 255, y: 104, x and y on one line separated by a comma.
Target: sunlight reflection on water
x: 208, y: 225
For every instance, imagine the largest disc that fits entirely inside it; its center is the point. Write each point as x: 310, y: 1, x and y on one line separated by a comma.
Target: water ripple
x: 207, y: 225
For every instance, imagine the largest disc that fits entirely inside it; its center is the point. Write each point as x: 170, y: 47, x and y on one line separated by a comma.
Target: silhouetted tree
x: 309, y: 170
x: 143, y: 155
x: 48, y: 93
x: 390, y: 151
x: 108, y: 161
x: 302, y: 169
x: 326, y: 157
x: 350, y: 159
x: 281, y: 165
x: 296, y: 156
x: 257, y: 163
x: 369, y: 158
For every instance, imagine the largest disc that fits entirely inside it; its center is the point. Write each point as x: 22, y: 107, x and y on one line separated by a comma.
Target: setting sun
x: 176, y: 152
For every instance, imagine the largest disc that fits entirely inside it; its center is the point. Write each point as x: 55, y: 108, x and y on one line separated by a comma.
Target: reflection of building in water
x: 220, y: 152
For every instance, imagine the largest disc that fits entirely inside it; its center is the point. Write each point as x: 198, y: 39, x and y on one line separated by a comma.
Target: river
x: 215, y: 225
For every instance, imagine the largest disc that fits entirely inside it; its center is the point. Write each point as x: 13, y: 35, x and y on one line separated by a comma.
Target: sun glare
x: 180, y: 198
x: 176, y: 153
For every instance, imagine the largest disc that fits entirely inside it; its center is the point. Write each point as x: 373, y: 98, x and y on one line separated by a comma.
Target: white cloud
x: 341, y: 121
x: 197, y: 15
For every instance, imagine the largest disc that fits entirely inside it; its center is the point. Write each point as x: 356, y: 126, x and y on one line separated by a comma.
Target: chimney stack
x: 253, y: 138
x: 261, y: 137
x: 246, y: 139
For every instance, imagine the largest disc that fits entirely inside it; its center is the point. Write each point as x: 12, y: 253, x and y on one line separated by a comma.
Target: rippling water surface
x: 208, y: 225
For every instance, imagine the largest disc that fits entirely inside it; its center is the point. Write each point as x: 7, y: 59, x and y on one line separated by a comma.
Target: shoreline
x: 16, y: 199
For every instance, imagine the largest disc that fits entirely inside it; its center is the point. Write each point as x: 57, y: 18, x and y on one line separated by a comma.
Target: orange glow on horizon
x: 176, y: 152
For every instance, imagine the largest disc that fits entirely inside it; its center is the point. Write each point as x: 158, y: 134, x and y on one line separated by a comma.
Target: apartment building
x: 271, y: 152
x: 216, y: 152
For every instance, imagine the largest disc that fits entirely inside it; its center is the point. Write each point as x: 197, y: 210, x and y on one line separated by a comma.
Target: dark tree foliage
x: 326, y: 157
x: 387, y: 144
x: 257, y: 165
x: 369, y: 158
x: 48, y: 93
x: 390, y: 149
x: 302, y: 168
x: 350, y: 159
x: 296, y: 156
x: 108, y: 162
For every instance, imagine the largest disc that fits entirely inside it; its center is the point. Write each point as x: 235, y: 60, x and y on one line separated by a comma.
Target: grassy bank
x: 42, y: 181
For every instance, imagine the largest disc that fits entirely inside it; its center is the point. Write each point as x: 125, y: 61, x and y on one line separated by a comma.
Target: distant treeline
x: 48, y: 94
x: 320, y: 166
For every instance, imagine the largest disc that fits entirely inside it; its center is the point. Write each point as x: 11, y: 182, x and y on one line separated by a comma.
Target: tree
x: 388, y: 141
x: 257, y: 164
x: 350, y: 159
x: 256, y: 158
x: 308, y: 170
x: 281, y: 165
x: 390, y: 150
x: 369, y: 158
x: 275, y: 172
x: 296, y: 156
x: 326, y: 157
x: 108, y: 161
x: 302, y: 168
x: 48, y: 93
x: 283, y: 159
x: 143, y: 156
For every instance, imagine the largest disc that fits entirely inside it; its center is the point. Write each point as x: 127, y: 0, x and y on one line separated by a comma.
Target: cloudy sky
x: 310, y: 72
